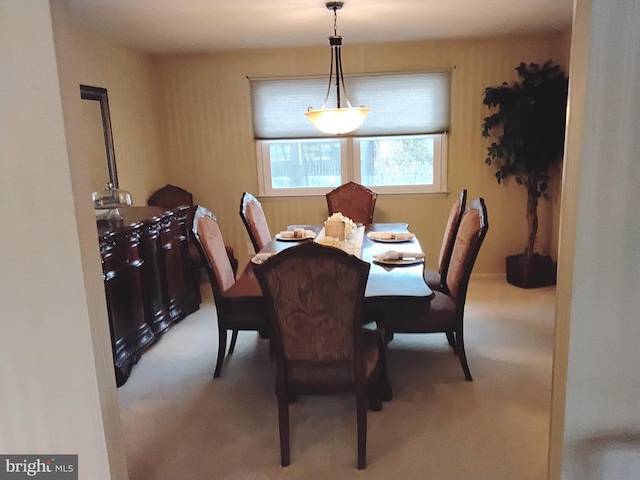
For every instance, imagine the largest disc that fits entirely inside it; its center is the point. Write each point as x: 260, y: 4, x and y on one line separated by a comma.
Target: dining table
x: 393, y: 288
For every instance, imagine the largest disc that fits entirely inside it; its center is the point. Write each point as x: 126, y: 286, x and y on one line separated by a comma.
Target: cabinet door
x: 156, y: 305
x: 175, y: 265
x: 123, y: 281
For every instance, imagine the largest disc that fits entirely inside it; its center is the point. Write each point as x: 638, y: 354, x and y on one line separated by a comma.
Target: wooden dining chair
x: 435, y: 278
x: 234, y: 312
x: 255, y: 221
x: 315, y: 295
x: 354, y: 201
x: 446, y: 310
x: 171, y: 196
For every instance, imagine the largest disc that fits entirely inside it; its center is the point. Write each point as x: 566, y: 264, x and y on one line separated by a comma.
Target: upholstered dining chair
x: 236, y: 310
x: 255, y: 221
x: 435, y: 278
x: 315, y: 295
x: 446, y: 311
x: 171, y: 196
x: 354, y: 201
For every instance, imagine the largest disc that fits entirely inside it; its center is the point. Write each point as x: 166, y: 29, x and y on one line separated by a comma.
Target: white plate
x: 408, y: 261
x: 309, y: 236
x: 260, y: 258
x: 372, y: 236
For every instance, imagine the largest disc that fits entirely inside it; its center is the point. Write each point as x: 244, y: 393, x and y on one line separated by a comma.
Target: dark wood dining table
x: 391, y: 290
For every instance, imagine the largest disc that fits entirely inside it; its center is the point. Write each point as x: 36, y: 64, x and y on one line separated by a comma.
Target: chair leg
x: 463, y: 357
x: 292, y: 397
x: 234, y: 337
x: 222, y: 348
x: 373, y: 398
x: 264, y: 333
x: 383, y: 386
x: 361, y: 418
x: 451, y: 339
x: 283, y: 422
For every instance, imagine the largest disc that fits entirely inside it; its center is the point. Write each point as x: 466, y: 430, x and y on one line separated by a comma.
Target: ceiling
x: 178, y: 26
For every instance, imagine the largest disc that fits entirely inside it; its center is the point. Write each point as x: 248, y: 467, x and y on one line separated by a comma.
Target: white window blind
x: 400, y: 103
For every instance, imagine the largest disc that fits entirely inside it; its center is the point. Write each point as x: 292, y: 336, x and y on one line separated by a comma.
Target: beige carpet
x: 179, y: 423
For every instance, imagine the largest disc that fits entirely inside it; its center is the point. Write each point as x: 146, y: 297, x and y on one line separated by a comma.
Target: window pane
x: 299, y: 164
x: 397, y: 161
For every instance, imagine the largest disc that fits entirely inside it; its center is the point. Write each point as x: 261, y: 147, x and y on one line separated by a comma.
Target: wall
x: 128, y: 77
x: 207, y: 134
x: 596, y: 354
x: 53, y: 345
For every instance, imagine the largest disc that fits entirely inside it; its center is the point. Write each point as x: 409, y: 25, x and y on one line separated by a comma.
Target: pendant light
x: 341, y: 119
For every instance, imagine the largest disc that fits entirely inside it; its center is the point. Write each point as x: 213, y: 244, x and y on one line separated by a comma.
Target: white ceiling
x: 164, y: 26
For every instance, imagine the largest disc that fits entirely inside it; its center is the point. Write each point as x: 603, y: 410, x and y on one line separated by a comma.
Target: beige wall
x: 595, y: 427
x: 55, y: 358
x: 208, y: 140
x: 186, y: 120
x: 128, y: 77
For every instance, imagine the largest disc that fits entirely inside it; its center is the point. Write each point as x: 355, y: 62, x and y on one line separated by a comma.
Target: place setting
x: 396, y: 258
x: 295, y: 235
x: 391, y: 237
x: 260, y: 258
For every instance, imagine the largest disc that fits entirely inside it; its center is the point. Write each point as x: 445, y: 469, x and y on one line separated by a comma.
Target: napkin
x: 297, y: 233
x: 259, y: 258
x: 394, y: 255
x: 391, y: 235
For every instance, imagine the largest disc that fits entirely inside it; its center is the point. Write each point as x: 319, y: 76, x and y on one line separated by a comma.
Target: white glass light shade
x: 337, y: 121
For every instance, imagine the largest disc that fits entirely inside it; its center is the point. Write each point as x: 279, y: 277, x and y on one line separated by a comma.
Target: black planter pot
x: 538, y: 271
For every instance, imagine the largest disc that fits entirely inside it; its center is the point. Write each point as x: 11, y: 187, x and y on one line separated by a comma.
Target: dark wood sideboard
x: 148, y: 278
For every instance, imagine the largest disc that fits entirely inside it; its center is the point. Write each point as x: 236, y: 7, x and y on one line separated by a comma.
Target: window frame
x: 350, y: 169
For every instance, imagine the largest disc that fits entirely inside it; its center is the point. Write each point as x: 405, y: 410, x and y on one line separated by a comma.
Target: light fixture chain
x: 335, y: 20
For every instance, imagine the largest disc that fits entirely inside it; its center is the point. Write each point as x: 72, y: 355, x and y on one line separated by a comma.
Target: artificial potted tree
x: 527, y: 126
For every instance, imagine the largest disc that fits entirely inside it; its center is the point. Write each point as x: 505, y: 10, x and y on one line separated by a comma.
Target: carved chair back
x: 450, y: 231
x: 209, y: 239
x: 255, y: 221
x: 471, y: 232
x: 354, y: 201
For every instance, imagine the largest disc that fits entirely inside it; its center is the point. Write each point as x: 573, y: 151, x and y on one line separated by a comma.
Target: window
x: 401, y: 147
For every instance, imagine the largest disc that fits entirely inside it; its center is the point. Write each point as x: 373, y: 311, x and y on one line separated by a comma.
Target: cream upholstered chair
x: 446, y: 310
x: 435, y: 278
x: 235, y: 309
x: 315, y: 295
x: 255, y: 221
x: 354, y: 201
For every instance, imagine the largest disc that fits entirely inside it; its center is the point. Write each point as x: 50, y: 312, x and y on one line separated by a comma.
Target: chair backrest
x: 171, y: 196
x: 450, y: 231
x: 354, y: 201
x: 473, y: 228
x: 255, y: 221
x: 315, y: 295
x: 208, y: 236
